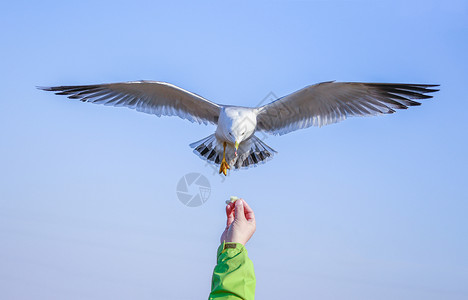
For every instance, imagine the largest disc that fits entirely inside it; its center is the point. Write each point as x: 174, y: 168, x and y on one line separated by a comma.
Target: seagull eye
x: 230, y: 134
x: 243, y: 133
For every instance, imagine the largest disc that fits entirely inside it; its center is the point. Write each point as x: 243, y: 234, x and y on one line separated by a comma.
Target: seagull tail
x: 207, y: 149
x: 251, y: 152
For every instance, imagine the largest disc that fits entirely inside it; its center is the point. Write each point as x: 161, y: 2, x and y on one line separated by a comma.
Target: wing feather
x: 152, y: 97
x: 330, y: 102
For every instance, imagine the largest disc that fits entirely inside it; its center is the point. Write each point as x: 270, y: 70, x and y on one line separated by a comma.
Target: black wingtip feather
x: 43, y: 88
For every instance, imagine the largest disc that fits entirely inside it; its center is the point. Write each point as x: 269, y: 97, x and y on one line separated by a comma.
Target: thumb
x: 239, y: 210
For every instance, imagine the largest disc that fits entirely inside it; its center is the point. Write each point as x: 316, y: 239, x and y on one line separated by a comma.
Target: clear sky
x: 370, y: 208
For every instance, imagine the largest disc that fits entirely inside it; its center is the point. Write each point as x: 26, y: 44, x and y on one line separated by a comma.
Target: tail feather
x: 250, y: 153
x: 207, y: 149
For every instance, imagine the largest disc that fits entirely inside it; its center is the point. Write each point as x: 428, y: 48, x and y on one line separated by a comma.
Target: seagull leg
x: 224, y: 165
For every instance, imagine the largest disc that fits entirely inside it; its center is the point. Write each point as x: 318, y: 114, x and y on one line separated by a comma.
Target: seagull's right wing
x: 152, y: 97
x: 331, y: 102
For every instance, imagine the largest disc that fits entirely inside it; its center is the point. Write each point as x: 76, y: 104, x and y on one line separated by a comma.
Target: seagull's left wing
x: 331, y: 102
x: 152, y: 97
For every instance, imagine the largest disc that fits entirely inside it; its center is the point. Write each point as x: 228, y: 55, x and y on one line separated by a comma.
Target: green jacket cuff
x: 231, y: 249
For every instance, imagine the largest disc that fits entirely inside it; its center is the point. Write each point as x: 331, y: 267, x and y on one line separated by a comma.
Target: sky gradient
x: 369, y: 208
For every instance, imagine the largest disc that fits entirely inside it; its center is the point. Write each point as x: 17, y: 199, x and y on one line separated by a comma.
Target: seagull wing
x: 152, y: 97
x: 330, y: 102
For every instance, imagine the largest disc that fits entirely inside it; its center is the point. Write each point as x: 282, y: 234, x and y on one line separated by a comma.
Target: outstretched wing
x: 152, y: 97
x: 331, y: 102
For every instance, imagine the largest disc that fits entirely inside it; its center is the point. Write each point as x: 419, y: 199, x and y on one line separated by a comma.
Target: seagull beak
x: 236, y: 145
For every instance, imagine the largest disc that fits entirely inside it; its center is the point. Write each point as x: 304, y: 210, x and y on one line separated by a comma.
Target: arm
x: 233, y: 276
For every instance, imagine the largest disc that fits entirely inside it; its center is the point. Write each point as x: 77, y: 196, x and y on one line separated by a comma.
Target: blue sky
x: 370, y: 208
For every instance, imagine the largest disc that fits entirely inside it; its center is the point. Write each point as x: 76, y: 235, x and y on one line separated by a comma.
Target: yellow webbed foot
x: 224, y: 167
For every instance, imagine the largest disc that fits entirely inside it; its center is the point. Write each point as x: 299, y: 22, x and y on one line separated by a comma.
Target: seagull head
x: 241, y: 123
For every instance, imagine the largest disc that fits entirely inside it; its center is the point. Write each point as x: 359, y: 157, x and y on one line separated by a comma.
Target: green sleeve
x: 233, y: 276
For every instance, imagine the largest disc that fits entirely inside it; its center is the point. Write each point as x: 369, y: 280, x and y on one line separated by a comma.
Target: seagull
x: 234, y: 144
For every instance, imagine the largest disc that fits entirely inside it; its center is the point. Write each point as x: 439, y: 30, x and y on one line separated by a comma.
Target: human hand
x: 240, y: 224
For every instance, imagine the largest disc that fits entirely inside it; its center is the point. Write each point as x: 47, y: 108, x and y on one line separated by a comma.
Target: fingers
x: 249, y: 213
x: 229, y: 209
x: 229, y: 214
x: 239, y: 209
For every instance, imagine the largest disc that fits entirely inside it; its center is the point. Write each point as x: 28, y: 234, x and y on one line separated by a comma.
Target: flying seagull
x: 234, y: 143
